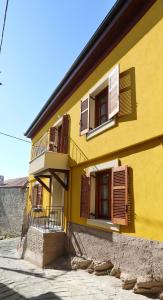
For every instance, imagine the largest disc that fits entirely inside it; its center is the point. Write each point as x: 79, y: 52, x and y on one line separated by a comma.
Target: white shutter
x: 84, y: 116
x: 113, y: 94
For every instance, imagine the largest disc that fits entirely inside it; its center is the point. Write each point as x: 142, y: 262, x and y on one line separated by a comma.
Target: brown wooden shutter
x: 52, y: 136
x: 120, y: 195
x: 85, y: 197
x: 84, y: 116
x: 64, y: 134
x: 113, y: 94
x: 39, y: 194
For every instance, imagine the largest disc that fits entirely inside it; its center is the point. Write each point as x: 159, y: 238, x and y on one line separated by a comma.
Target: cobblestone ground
x: 20, y: 279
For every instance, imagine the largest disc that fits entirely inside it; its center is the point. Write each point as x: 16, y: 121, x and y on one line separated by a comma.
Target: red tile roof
x: 16, y: 182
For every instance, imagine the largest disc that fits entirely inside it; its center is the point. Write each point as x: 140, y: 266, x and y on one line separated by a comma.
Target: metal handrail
x: 51, y: 217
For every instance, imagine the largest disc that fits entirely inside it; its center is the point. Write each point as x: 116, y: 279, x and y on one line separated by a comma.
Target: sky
x: 41, y: 41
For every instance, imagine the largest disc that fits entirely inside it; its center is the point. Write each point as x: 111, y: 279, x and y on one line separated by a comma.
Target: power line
x: 4, y: 23
x: 14, y: 137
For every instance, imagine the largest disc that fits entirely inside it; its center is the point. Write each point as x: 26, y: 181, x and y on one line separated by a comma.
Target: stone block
x: 102, y: 266
x: 116, y: 272
x: 128, y: 281
x: 81, y: 262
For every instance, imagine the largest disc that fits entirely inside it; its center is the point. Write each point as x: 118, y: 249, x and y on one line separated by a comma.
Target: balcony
x: 49, y: 152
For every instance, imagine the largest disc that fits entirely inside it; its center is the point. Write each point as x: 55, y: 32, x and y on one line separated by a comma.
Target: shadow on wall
x: 133, y: 150
x: 131, y: 206
x: 77, y: 153
x: 128, y: 112
x: 128, y: 105
x: 78, y: 246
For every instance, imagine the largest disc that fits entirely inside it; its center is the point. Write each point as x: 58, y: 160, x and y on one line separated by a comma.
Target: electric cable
x: 4, y: 23
x: 14, y: 137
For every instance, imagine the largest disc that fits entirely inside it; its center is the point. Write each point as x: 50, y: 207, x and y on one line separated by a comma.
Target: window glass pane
x: 103, y: 119
x: 105, y: 178
x: 103, y: 109
x: 101, y: 103
x: 104, y: 192
x: 103, y: 99
x: 104, y: 208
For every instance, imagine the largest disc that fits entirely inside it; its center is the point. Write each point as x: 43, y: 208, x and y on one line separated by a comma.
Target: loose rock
x: 148, y: 285
x: 128, y: 281
x: 101, y: 273
x: 102, y: 266
x: 80, y: 262
x: 116, y: 272
x: 149, y: 291
x: 91, y: 268
x: 74, y: 267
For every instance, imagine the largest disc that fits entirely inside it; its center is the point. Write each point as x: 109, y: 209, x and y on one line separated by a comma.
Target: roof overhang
x: 119, y: 21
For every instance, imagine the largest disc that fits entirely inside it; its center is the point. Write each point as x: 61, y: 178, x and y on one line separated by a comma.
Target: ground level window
x: 36, y: 198
x: 103, y: 194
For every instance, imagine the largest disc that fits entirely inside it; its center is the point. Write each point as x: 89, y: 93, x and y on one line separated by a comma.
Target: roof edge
x: 65, y: 87
x: 101, y: 27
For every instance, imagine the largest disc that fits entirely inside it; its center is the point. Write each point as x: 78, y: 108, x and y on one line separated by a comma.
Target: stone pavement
x: 20, y: 279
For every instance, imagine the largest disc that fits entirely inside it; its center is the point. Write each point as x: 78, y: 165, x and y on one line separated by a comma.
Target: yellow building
x: 96, y: 169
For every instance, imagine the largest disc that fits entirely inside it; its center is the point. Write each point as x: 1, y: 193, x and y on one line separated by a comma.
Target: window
x: 58, y: 136
x: 104, y: 195
x: 36, y: 195
x: 102, y: 103
x: 101, y: 107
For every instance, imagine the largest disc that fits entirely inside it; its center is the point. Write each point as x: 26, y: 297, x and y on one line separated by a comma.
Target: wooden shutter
x: 84, y: 116
x: 113, y: 93
x: 39, y: 194
x: 64, y: 134
x: 52, y: 136
x: 120, y: 195
x: 85, y: 197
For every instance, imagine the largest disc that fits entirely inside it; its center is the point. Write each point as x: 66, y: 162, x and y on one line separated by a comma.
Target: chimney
x: 1, y: 180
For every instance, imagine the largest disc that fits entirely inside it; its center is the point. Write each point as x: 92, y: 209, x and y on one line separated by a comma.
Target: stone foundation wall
x: 43, y: 248
x: 12, y: 203
x: 132, y: 255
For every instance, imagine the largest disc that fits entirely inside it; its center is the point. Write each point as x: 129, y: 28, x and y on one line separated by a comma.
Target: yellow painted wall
x: 142, y: 51
x: 46, y: 195
x: 146, y: 189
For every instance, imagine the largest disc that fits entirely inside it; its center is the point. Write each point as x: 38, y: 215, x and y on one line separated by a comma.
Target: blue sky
x: 41, y: 41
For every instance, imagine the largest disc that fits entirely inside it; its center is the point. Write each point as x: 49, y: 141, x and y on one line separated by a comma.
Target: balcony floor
x: 48, y: 229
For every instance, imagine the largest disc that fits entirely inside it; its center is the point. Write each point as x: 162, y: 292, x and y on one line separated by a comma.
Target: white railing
x: 40, y: 146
